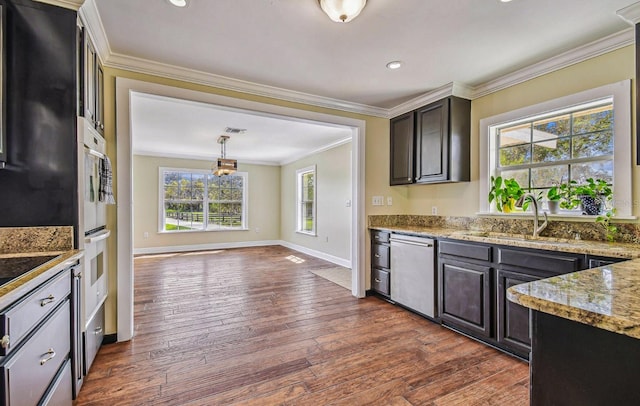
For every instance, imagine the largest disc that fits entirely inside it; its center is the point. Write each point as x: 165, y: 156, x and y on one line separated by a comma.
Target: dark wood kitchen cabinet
x: 465, y: 288
x: 401, y: 145
x: 380, y: 262
x: 431, y: 144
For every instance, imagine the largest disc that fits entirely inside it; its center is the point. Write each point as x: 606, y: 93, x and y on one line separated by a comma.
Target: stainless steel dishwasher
x: 413, y: 282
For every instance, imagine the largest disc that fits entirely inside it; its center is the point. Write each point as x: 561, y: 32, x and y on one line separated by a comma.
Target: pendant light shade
x: 342, y: 11
x: 224, y: 166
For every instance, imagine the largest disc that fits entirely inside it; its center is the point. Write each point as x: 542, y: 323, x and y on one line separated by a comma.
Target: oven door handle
x: 97, y: 237
x: 93, y: 152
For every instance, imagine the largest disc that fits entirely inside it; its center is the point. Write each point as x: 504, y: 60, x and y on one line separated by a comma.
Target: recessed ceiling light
x: 394, y: 65
x: 178, y: 3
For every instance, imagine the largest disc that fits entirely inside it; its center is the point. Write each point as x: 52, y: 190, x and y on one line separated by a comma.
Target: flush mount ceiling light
x: 178, y: 3
x: 394, y: 65
x: 224, y: 166
x: 342, y: 11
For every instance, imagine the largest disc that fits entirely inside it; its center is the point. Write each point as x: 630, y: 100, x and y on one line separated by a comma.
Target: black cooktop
x: 11, y: 268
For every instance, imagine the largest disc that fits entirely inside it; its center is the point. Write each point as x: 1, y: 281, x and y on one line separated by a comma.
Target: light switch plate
x: 377, y: 200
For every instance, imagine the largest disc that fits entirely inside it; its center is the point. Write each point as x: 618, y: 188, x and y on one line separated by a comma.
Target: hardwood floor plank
x: 250, y: 326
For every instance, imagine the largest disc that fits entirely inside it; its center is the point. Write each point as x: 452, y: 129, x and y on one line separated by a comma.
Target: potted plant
x: 593, y: 196
x: 564, y: 196
x: 553, y: 199
x: 505, y: 192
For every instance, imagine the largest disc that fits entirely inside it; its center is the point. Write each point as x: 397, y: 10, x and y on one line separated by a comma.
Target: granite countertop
x: 607, y: 297
x: 616, y: 250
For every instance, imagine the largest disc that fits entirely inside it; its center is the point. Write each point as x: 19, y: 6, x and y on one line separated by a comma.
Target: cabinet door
x: 401, y: 147
x: 380, y: 281
x: 89, y: 80
x: 465, y: 296
x: 513, y: 319
x: 432, y: 142
x: 380, y: 256
x: 99, y: 98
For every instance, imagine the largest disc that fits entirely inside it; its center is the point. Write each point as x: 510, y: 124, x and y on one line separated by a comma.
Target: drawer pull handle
x: 97, y: 331
x: 377, y: 237
x: 377, y: 280
x: 51, y: 354
x: 47, y: 300
x: 377, y: 255
x: 5, y: 341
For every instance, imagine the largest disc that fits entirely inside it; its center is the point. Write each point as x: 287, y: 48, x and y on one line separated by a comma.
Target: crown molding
x: 630, y: 14
x: 119, y: 61
x: 317, y: 151
x: 71, y: 4
x: 563, y: 60
x: 90, y: 17
x: 192, y: 157
x: 450, y: 89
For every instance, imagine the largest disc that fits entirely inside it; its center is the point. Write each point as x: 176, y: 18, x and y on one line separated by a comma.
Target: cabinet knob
x: 377, y: 255
x: 5, y: 341
x: 377, y: 237
x: 377, y: 280
x: 51, y: 354
x: 409, y: 179
x: 47, y: 300
x: 98, y: 330
x: 101, y: 126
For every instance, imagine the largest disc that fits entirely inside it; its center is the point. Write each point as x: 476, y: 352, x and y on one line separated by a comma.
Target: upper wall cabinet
x: 431, y: 144
x: 91, y: 86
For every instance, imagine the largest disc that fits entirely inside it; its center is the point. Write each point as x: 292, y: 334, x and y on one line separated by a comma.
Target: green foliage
x: 610, y: 229
x: 595, y: 188
x: 505, y: 192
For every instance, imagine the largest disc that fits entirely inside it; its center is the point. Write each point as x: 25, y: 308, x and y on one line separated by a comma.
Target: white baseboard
x: 204, y: 247
x: 243, y: 244
x: 322, y: 255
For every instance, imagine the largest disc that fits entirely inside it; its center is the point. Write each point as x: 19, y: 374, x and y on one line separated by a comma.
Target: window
x: 306, y: 200
x: 587, y: 135
x: 196, y: 200
x: 557, y: 148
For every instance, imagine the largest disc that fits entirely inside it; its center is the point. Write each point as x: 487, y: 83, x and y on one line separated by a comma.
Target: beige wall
x: 462, y: 199
x: 451, y: 199
x: 263, y: 204
x: 333, y: 188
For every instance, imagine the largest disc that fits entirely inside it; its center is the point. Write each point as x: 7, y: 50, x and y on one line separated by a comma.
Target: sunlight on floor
x: 294, y: 259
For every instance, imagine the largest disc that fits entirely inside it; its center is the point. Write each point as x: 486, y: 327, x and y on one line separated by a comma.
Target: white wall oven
x: 93, y: 240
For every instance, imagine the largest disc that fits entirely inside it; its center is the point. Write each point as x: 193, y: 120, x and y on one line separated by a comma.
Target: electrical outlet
x: 377, y: 200
x: 348, y: 203
x: 145, y: 235
x: 257, y: 229
x: 434, y: 210
x: 389, y: 201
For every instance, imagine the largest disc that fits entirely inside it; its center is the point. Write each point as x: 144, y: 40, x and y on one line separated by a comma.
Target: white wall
x: 333, y: 217
x: 263, y: 198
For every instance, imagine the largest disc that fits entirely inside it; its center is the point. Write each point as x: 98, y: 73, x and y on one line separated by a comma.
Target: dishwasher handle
x: 411, y: 242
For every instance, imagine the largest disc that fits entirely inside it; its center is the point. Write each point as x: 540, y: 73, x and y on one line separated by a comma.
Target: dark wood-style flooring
x: 253, y: 326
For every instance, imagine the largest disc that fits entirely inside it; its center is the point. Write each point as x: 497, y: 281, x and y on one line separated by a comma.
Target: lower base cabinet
x: 513, y: 319
x: 465, y: 296
x: 60, y: 392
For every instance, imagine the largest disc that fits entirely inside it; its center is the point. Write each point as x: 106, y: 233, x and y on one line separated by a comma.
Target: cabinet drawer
x: 93, y: 338
x: 380, y: 236
x: 465, y: 250
x: 59, y: 393
x: 28, y: 373
x: 380, y: 256
x: 380, y: 281
x: 548, y: 263
x: 17, y: 320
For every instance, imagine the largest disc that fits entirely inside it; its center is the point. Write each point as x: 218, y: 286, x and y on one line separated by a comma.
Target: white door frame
x: 124, y: 188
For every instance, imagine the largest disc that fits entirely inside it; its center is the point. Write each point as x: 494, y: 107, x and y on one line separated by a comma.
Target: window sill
x: 201, y: 231
x: 311, y: 234
x: 578, y: 218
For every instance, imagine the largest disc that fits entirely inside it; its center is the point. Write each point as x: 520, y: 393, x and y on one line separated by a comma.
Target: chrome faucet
x: 536, y: 230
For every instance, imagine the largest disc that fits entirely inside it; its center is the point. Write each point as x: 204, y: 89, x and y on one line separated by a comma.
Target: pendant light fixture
x: 224, y: 166
x: 342, y: 11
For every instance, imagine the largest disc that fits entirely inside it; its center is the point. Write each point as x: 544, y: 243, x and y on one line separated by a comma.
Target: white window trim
x: 161, y: 213
x: 622, y: 164
x: 299, y: 172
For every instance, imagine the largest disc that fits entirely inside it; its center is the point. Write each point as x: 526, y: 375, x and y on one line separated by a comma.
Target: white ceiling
x: 171, y: 127
x: 292, y: 46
